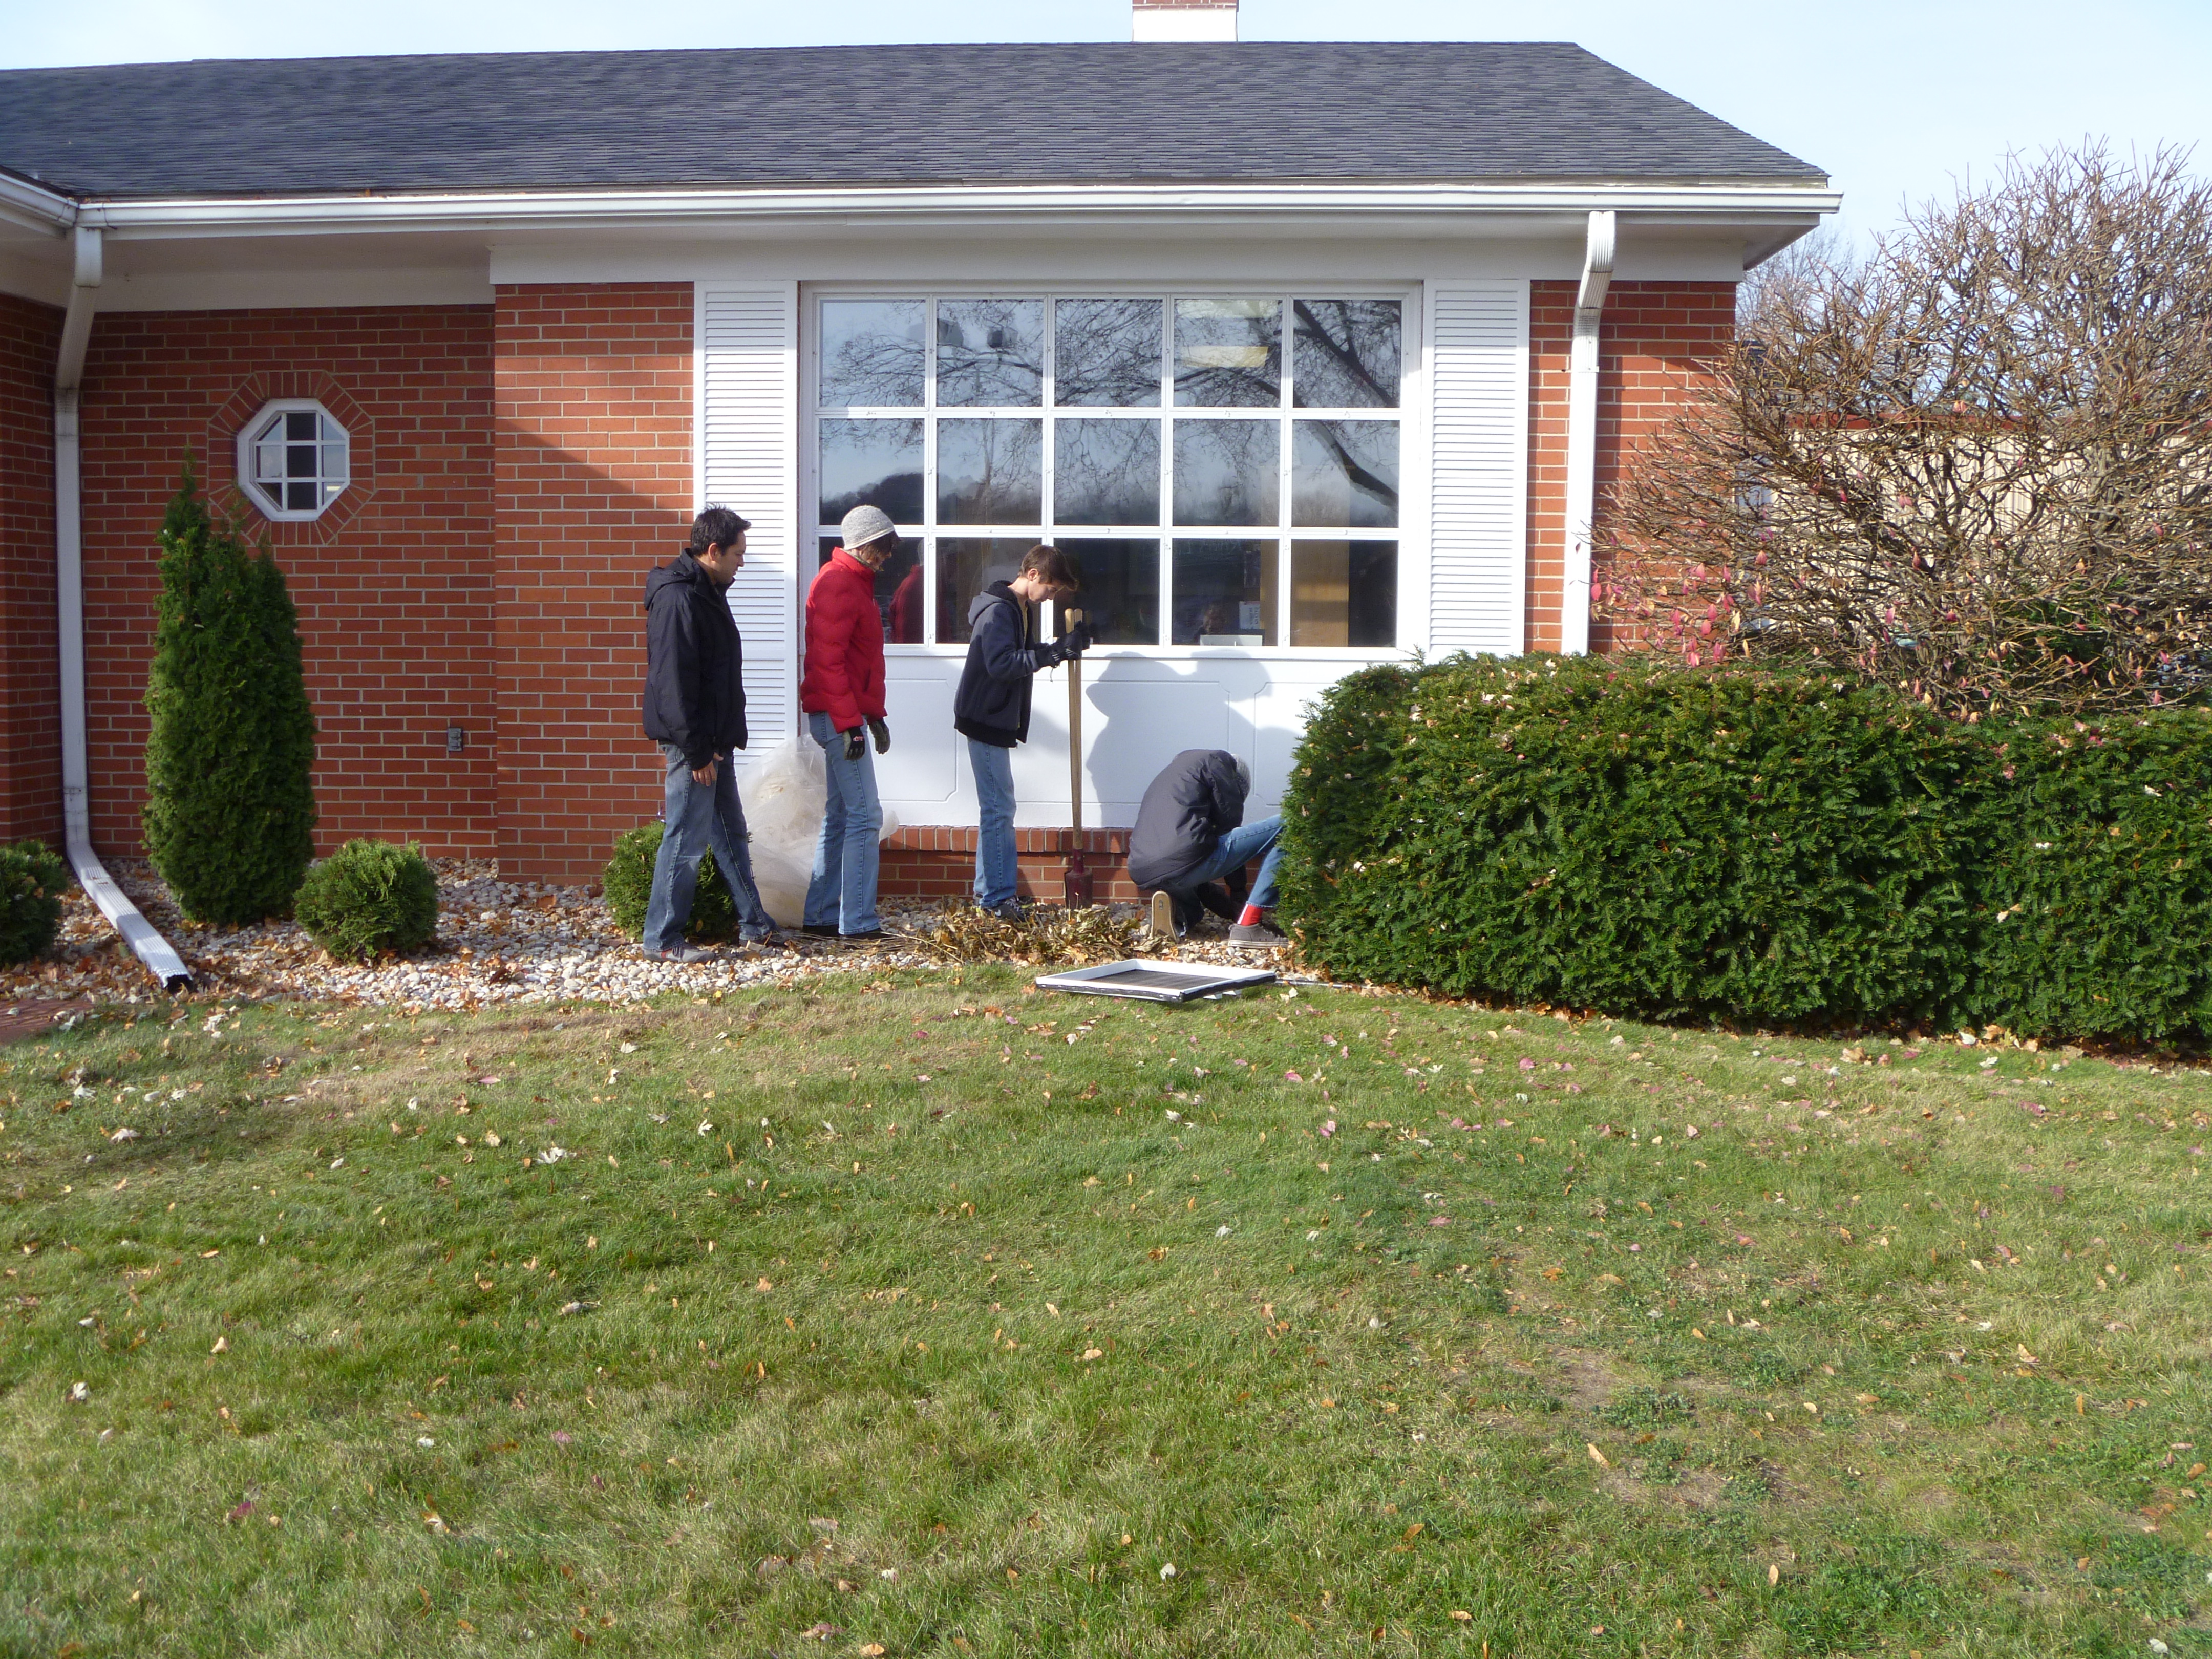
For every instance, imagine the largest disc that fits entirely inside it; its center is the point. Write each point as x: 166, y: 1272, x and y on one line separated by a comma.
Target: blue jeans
x: 1237, y: 849
x: 843, y: 889
x: 995, y: 870
x: 696, y: 815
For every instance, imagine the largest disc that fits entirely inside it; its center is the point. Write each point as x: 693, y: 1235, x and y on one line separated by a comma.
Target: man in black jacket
x: 1191, y: 831
x: 694, y: 704
x: 991, y: 708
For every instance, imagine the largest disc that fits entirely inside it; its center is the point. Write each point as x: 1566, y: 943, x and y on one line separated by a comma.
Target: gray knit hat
x: 863, y: 524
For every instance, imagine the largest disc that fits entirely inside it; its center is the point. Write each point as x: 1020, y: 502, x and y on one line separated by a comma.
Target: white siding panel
x: 748, y: 424
x: 1478, y: 333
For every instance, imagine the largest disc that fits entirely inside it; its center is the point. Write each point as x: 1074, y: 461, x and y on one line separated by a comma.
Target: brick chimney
x: 1183, y: 19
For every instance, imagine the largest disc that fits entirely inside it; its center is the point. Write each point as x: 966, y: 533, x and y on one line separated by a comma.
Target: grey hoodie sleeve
x: 998, y: 645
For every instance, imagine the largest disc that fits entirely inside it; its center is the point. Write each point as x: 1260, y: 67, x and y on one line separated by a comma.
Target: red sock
x: 1251, y: 918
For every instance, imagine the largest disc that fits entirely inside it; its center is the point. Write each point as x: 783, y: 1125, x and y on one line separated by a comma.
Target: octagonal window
x: 293, y: 460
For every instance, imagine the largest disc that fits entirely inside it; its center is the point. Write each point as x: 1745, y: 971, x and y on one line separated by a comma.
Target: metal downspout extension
x: 1581, y: 435
x: 160, y: 957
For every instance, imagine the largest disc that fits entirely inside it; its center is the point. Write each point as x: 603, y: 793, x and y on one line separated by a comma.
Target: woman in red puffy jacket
x: 842, y: 693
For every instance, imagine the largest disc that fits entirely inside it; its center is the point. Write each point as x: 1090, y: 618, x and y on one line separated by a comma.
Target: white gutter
x: 1582, y: 436
x: 29, y: 207
x: 645, y: 208
x: 160, y: 957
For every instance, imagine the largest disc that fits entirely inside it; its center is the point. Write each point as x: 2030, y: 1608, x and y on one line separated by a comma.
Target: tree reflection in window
x: 1106, y: 353
x: 1229, y: 353
x: 990, y: 352
x: 872, y: 354
x: 1346, y: 354
x: 1106, y: 472
x: 1345, y: 473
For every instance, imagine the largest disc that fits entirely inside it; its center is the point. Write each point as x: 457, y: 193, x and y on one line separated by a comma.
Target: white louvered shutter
x: 1478, y: 333
x: 748, y: 419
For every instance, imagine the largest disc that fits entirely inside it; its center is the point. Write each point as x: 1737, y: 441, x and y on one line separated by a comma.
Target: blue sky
x: 1895, y: 99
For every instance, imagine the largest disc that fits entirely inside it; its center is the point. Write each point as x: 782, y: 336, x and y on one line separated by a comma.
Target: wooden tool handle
x: 1068, y: 621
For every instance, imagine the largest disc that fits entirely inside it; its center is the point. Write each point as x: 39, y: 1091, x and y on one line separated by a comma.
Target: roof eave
x: 708, y: 207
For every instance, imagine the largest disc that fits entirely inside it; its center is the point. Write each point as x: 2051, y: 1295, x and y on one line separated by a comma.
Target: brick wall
x: 30, y: 701
x: 595, y: 470
x: 394, y: 584
x: 1655, y: 341
x: 921, y: 861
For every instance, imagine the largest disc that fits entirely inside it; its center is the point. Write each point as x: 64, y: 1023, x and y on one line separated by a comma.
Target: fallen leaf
x: 1094, y: 1353
x: 1597, y: 1456
x: 1773, y: 1574
x: 222, y: 1345
x: 1463, y: 1615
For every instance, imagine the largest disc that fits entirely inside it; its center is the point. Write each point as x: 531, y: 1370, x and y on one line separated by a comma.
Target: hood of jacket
x: 993, y: 594
x: 682, y: 569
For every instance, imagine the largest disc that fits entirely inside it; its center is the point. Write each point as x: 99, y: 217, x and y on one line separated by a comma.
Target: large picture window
x: 1225, y: 469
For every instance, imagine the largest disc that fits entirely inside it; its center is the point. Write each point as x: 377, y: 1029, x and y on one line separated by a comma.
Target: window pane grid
x: 1251, y: 543
x: 293, y: 460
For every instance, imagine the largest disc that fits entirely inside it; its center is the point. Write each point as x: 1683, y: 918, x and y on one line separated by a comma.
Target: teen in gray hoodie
x: 991, y: 708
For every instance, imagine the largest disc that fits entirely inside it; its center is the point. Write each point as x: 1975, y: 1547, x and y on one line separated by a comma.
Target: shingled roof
x: 974, y: 114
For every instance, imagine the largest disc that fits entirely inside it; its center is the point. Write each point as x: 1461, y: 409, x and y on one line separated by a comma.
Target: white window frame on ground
x: 1280, y: 537
x: 261, y: 444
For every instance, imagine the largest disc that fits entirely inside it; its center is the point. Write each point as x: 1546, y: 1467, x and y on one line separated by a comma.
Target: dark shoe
x: 1010, y: 913
x: 1188, y: 910
x: 820, y: 929
x: 681, y: 953
x: 872, y: 934
x: 1217, y: 898
x: 1257, y: 936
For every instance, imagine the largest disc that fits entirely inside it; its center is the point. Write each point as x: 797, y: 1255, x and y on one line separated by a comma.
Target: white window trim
x: 1414, y: 460
x: 252, y: 489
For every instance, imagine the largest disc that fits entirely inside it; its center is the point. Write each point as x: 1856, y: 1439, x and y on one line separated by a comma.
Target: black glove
x: 855, y: 745
x: 1049, y: 654
x: 881, y: 733
x: 1075, y: 641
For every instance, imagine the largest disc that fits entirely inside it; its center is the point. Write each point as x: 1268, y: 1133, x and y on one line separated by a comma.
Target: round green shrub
x: 367, y: 898
x: 32, y: 882
x: 627, y: 884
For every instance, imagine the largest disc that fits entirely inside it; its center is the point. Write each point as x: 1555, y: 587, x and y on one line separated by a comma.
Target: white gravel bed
x: 498, y: 942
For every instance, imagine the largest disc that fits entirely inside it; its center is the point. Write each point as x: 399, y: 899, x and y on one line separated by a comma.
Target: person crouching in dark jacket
x: 992, y: 707
x: 1191, y: 831
x: 694, y: 705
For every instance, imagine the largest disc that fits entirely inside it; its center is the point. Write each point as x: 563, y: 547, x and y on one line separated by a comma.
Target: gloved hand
x: 881, y: 733
x: 855, y: 745
x: 1075, y: 641
x: 1050, y: 653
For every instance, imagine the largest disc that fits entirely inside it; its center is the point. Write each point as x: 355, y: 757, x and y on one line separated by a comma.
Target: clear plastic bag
x: 783, y: 796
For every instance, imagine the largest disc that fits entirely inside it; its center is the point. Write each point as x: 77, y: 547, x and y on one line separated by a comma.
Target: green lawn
x: 934, y: 1316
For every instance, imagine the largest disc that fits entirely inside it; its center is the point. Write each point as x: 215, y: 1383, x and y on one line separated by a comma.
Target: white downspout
x: 160, y: 957
x: 1581, y: 435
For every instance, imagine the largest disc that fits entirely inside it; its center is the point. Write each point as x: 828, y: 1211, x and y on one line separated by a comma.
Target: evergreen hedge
x: 1633, y: 836
x: 370, y: 896
x: 627, y: 882
x: 230, y: 811
x: 32, y: 879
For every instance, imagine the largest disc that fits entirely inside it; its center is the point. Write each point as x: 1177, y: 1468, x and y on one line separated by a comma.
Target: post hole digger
x: 1077, y: 879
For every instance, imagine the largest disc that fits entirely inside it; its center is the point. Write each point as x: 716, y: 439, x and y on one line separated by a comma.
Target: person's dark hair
x: 716, y: 527
x: 1048, y: 564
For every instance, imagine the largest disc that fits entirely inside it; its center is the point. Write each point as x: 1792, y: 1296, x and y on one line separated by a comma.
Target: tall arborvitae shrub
x: 230, y: 811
